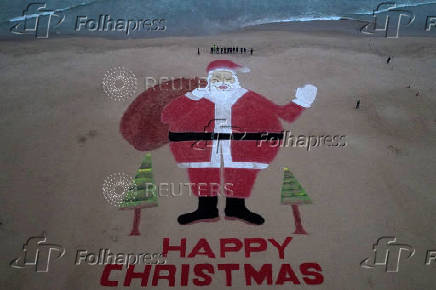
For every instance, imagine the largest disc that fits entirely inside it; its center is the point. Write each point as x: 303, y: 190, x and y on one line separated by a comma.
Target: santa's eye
x: 214, y: 80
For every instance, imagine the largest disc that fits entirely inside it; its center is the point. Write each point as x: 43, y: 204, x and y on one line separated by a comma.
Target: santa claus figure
x: 224, y: 134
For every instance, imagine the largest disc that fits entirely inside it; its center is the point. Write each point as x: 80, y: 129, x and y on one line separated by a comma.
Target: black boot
x: 235, y: 208
x: 207, y: 210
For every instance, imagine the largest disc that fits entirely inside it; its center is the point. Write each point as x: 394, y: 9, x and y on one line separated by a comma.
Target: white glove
x: 305, y: 95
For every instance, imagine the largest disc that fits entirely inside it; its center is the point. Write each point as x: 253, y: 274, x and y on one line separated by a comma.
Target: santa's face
x: 222, y: 80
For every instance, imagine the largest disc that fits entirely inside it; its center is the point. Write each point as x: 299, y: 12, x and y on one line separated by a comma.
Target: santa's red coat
x: 250, y: 113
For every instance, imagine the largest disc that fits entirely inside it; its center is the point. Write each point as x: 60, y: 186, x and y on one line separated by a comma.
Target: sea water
x: 184, y: 17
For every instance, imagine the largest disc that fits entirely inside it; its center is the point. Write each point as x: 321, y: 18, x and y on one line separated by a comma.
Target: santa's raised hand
x: 305, y: 96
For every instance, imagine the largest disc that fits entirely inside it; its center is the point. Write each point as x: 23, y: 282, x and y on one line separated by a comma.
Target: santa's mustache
x: 223, y: 86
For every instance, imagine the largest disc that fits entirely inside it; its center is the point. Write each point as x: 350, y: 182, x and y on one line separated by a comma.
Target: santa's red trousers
x: 237, y: 182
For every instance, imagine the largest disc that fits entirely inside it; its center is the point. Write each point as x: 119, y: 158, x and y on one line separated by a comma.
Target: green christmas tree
x: 142, y: 194
x: 292, y: 193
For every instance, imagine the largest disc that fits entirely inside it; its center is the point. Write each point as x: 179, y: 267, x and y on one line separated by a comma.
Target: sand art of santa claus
x: 214, y: 132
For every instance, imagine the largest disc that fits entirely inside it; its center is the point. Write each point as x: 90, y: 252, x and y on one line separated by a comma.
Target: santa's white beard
x: 219, y: 93
x: 222, y: 94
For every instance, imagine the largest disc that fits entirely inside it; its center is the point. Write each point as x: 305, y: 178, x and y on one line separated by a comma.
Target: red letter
x: 318, y: 278
x: 259, y: 276
x: 170, y: 277
x: 132, y: 275
x: 199, y: 271
x: 185, y: 275
x: 224, y: 248
x: 104, y: 280
x: 228, y: 268
x: 286, y: 274
x: 281, y: 248
x: 248, y: 248
x: 202, y: 243
x: 166, y: 247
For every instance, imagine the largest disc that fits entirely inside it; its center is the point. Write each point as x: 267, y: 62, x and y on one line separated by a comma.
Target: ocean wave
x: 334, y: 17
x: 292, y: 19
x: 199, y: 16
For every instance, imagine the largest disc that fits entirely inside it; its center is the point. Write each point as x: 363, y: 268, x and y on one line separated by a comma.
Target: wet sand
x: 60, y: 139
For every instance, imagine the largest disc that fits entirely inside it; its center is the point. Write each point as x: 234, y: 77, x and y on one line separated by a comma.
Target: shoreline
x: 343, y: 26
x: 277, y: 38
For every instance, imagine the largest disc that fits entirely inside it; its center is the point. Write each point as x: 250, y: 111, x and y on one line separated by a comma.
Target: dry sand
x: 381, y: 184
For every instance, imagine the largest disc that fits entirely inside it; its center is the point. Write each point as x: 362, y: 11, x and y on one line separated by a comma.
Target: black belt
x: 196, y: 136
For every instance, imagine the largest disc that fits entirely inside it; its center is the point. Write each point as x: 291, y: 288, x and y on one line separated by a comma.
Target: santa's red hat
x: 226, y: 65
